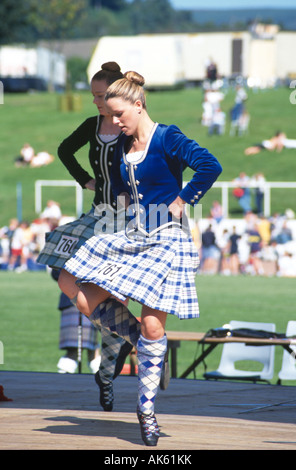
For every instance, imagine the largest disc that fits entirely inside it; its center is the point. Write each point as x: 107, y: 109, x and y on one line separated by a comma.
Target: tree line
x: 33, y: 20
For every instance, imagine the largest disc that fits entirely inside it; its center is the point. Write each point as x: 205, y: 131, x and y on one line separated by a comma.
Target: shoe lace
x: 149, y: 423
x: 107, y: 390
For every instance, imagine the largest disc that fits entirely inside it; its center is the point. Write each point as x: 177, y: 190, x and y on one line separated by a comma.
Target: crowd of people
x: 255, y: 245
x: 214, y: 118
x: 22, y: 241
x: 252, y: 245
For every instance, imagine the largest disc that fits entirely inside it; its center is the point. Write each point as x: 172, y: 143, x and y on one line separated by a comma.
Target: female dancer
x: 154, y: 260
x: 101, y: 134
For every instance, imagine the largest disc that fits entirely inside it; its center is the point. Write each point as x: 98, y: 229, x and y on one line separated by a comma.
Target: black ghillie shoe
x: 125, y: 349
x: 149, y: 428
x: 165, y: 373
x: 106, y: 393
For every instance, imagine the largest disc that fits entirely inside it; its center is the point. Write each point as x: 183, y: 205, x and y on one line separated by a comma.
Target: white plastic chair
x: 233, y: 352
x: 288, y: 370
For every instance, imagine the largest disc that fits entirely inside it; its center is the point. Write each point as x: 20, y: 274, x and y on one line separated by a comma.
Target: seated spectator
x: 285, y: 234
x: 287, y: 265
x: 26, y: 155
x: 52, y: 213
x: 41, y: 159
x: 275, y: 143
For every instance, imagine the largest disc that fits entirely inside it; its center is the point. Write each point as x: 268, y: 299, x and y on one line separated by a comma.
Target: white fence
x: 224, y: 185
x: 39, y: 184
x: 266, y: 188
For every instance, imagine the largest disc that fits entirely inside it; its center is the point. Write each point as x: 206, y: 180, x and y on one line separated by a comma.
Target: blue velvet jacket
x: 155, y: 181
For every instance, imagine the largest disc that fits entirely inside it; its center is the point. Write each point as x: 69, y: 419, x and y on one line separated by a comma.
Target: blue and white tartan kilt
x: 158, y: 271
x: 69, y: 330
x: 65, y: 240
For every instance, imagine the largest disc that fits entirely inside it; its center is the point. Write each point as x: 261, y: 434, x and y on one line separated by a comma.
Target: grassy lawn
x: 29, y: 325
x: 36, y: 118
x: 30, y: 318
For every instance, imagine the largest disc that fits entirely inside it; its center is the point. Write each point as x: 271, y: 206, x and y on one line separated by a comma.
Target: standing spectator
x: 242, y: 192
x: 234, y: 261
x: 254, y: 240
x: 20, y: 242
x: 216, y: 212
x: 210, y: 252
x: 217, y: 125
x: 259, y: 183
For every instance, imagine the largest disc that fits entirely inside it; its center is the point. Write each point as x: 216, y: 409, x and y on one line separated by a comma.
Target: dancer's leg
x: 151, y: 348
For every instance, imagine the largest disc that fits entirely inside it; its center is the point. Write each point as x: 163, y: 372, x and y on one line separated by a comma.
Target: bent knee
x: 83, y: 305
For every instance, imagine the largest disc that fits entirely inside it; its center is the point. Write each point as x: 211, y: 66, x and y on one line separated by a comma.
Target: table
x: 174, y: 338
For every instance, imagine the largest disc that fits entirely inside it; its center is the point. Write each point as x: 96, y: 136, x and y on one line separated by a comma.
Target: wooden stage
x: 61, y: 412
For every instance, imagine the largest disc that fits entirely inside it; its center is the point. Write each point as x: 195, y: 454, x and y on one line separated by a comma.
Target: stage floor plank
x: 62, y: 412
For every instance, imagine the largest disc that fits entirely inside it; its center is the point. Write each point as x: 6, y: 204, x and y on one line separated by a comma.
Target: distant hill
x: 285, y: 18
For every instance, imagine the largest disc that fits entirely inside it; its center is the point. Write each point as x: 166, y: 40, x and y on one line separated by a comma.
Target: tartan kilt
x: 69, y: 330
x: 158, y: 271
x: 65, y: 240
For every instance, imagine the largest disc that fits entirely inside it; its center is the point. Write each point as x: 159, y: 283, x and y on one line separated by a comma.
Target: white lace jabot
x: 134, y: 157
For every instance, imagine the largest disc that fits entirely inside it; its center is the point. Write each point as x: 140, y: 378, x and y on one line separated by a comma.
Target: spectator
x: 216, y: 212
x: 217, y: 125
x: 287, y: 265
x: 254, y: 240
x: 26, y: 156
x: 20, y: 243
x: 234, y: 262
x: 210, y: 252
x: 242, y: 192
x: 285, y: 234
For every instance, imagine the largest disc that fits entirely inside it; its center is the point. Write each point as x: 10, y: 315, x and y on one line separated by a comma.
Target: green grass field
x: 29, y: 327
x: 36, y: 118
x: 30, y: 319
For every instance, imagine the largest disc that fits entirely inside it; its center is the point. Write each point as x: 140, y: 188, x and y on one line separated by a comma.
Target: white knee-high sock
x: 150, y: 358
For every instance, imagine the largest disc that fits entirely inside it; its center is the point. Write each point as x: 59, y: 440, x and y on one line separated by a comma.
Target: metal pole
x: 79, y: 349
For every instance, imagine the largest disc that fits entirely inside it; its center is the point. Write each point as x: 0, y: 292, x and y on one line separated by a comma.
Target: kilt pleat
x: 158, y: 271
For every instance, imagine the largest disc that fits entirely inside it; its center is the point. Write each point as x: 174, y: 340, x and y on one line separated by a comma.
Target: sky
x: 234, y: 4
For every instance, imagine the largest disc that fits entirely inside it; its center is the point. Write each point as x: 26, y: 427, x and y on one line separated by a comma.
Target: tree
x: 12, y: 20
x: 54, y: 19
x: 115, y: 5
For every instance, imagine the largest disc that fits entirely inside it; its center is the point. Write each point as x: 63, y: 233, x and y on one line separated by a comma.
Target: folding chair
x: 234, y: 352
x: 288, y: 370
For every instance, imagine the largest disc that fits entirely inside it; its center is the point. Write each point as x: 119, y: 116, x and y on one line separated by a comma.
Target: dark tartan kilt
x: 63, y: 242
x: 69, y: 330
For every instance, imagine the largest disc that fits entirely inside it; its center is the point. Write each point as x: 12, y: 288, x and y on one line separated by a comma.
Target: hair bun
x: 135, y: 78
x: 111, y: 67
